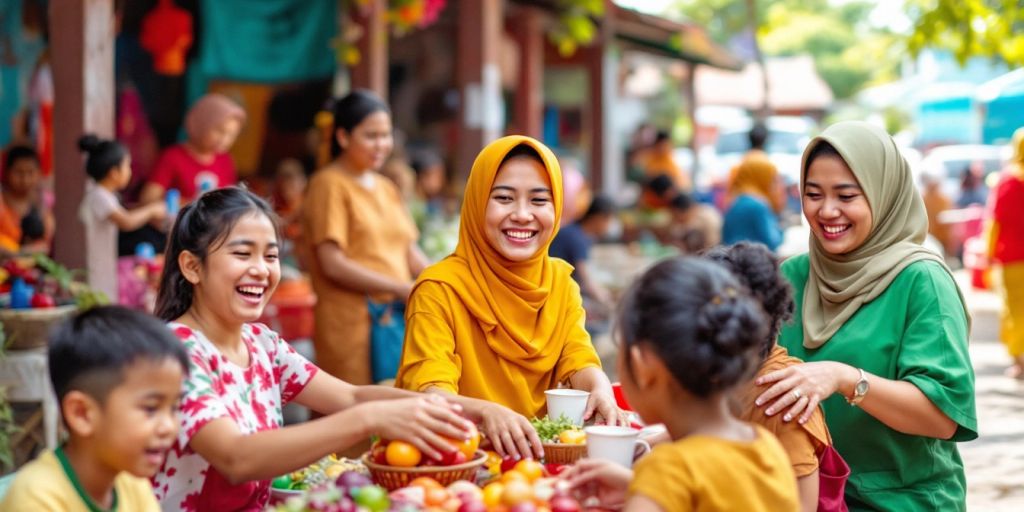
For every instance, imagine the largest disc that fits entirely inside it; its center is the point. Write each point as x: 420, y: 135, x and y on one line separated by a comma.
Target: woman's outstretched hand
x: 427, y: 422
x: 796, y: 391
x: 510, y: 433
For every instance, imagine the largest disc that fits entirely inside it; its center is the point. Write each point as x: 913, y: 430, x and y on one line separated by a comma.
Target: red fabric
x: 177, y: 168
x: 1008, y: 211
x: 167, y: 35
x: 832, y: 475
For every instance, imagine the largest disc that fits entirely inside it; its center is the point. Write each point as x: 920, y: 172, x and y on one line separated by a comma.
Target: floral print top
x: 217, y: 388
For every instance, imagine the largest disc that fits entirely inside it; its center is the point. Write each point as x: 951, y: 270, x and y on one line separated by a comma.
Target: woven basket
x: 393, y: 477
x: 30, y: 328
x: 557, y: 453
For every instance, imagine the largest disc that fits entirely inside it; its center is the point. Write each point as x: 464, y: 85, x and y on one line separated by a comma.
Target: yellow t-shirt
x: 702, y: 473
x: 42, y: 485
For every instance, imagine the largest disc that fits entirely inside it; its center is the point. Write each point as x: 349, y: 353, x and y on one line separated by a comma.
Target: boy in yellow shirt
x: 690, y: 335
x: 117, y: 374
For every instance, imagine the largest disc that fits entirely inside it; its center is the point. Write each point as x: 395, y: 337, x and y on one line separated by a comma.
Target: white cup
x: 571, y: 403
x: 618, y: 444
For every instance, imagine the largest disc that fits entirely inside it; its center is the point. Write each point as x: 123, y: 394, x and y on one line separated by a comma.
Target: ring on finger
x: 797, y: 394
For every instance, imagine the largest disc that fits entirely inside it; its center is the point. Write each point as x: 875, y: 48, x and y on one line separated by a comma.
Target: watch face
x: 862, y: 387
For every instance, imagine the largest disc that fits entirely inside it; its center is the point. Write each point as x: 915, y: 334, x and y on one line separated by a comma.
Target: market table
x: 26, y: 375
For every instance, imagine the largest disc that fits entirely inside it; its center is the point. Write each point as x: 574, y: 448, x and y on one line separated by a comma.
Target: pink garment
x: 208, y: 112
x: 178, y: 168
x: 252, y: 397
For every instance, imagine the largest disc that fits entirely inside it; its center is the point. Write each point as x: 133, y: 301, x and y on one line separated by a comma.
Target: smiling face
x: 237, y: 279
x: 520, y: 214
x: 139, y: 419
x: 835, y: 205
x: 369, y: 144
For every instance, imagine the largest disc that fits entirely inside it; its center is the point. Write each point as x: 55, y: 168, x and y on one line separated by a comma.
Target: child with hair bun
x: 689, y: 336
x: 110, y: 167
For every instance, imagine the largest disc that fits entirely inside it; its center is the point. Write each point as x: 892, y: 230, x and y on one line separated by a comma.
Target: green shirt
x: 915, y: 331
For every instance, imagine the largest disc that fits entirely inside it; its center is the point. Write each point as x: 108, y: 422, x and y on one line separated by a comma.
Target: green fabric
x: 268, y: 41
x: 915, y: 331
x: 840, y: 283
x: 70, y: 472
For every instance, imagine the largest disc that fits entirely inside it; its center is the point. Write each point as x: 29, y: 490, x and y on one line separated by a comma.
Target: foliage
x: 575, y: 26
x: 847, y: 51
x: 402, y: 17
x: 7, y: 426
x: 988, y: 28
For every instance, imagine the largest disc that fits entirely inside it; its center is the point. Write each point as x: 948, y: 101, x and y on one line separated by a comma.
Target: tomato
x: 572, y: 437
x: 468, y: 447
x: 378, y: 452
x: 402, y: 454
x: 555, y: 469
x: 508, y: 463
x: 42, y: 300
x: 531, y: 469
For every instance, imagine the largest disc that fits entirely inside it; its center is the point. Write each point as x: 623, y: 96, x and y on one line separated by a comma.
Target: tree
x: 987, y: 28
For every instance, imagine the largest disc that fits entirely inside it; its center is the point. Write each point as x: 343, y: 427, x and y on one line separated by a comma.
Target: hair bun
x: 89, y: 143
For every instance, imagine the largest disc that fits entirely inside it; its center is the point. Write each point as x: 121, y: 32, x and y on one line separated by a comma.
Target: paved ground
x: 995, y: 461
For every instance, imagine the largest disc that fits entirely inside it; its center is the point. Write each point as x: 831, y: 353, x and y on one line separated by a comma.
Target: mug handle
x: 640, y: 449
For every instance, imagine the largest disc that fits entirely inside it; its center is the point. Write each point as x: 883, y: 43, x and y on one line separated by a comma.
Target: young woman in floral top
x: 221, y: 269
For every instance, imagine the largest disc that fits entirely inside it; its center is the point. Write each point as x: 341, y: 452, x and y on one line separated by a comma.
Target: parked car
x: 787, y: 137
x: 949, y: 163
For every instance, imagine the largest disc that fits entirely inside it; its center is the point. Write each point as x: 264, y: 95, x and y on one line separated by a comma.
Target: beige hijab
x: 839, y: 284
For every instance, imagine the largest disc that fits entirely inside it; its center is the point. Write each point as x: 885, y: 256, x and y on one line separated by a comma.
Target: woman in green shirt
x: 882, y: 327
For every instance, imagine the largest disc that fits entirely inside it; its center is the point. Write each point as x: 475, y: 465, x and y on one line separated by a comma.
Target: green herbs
x: 548, y: 429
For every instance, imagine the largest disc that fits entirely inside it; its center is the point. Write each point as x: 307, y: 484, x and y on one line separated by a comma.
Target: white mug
x: 618, y: 444
x: 571, y: 403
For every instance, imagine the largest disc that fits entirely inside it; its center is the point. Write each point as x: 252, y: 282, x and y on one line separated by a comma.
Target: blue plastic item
x: 21, y: 294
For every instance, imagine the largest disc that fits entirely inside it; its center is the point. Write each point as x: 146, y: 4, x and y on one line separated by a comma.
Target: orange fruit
x: 468, y: 446
x: 436, y: 497
x: 492, y: 494
x: 516, y: 492
x: 513, y: 476
x: 402, y: 454
x: 572, y: 437
x: 531, y: 469
x: 426, y: 483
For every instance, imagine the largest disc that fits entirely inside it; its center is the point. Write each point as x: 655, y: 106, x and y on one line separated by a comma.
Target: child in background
x: 690, y: 335
x: 806, y: 442
x: 26, y: 224
x: 221, y: 267
x: 117, y: 374
x: 110, y: 167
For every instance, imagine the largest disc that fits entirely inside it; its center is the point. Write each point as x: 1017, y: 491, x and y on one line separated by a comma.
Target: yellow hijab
x: 755, y: 175
x: 1016, y: 166
x: 838, y: 284
x: 522, y: 307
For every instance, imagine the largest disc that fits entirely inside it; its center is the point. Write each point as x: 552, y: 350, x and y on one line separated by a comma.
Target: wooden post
x: 372, y: 70
x: 82, y: 50
x: 478, y: 78
x: 529, y: 107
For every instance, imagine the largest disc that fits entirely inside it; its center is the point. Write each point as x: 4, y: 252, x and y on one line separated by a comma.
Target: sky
x: 887, y: 13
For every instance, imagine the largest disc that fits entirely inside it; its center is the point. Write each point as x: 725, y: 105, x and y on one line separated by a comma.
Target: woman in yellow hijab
x: 499, y: 322
x: 757, y: 199
x: 1006, y: 251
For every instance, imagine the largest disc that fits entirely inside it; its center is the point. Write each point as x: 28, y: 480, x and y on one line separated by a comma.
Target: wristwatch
x: 860, y: 390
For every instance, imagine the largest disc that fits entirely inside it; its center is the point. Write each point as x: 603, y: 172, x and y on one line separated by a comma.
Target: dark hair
x: 104, y: 155
x: 32, y: 226
x: 758, y: 135
x: 757, y: 269
x: 599, y: 205
x: 424, y: 159
x: 90, y: 351
x: 15, y: 153
x: 522, y: 150
x: 698, y: 320
x: 681, y: 202
x: 822, y: 148
x: 662, y: 136
x: 200, y: 228
x: 660, y: 184
x: 351, y: 110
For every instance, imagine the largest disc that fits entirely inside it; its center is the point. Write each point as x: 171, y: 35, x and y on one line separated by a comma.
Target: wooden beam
x: 529, y: 96
x: 372, y: 70
x: 478, y: 78
x: 82, y: 51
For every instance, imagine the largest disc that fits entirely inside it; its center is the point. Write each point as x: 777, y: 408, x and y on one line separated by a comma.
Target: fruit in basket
x: 572, y: 436
x: 42, y: 300
x: 469, y: 446
x: 403, y: 454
